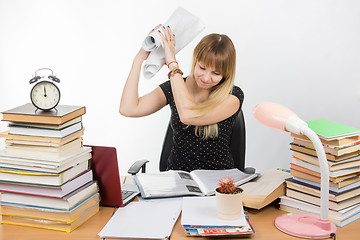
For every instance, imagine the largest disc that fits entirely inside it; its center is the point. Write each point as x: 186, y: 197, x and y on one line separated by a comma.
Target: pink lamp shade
x: 272, y: 115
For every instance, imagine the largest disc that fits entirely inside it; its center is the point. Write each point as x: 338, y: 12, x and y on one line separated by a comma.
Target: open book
x: 180, y: 183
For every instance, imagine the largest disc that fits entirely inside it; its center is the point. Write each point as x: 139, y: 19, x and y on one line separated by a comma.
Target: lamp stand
x: 308, y: 226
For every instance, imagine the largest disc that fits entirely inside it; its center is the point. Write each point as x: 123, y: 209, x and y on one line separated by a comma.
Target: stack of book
x: 45, y: 175
x: 342, y: 147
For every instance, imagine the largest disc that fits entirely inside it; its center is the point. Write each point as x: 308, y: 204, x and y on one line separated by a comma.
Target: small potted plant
x: 228, y: 199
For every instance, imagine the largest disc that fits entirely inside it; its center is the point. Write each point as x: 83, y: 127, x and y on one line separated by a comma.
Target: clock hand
x: 45, y: 92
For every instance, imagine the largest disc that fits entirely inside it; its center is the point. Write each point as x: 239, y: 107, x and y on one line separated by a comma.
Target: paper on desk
x: 145, y: 219
x: 202, y: 211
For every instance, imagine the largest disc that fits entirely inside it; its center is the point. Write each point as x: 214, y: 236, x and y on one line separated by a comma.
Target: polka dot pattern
x: 191, y: 152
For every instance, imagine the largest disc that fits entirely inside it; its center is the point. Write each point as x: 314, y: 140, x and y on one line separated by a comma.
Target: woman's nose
x: 207, y: 76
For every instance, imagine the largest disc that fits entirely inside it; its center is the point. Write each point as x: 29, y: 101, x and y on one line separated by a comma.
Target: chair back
x: 237, y: 144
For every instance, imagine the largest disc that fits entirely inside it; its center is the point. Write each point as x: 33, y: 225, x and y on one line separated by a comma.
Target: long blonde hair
x: 218, y: 51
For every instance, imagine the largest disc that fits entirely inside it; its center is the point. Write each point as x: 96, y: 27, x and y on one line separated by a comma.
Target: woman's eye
x: 216, y: 73
x: 202, y: 68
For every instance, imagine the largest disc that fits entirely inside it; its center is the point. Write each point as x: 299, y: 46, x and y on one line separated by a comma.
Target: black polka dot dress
x: 191, y: 152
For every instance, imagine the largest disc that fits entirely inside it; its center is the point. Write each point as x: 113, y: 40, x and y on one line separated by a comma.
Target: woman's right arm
x: 131, y: 104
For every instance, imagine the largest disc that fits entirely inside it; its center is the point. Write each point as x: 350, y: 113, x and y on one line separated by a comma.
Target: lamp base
x: 305, y: 226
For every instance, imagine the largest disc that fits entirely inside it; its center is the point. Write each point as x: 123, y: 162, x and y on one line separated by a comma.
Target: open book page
x: 266, y: 183
x: 165, y: 184
x: 208, y: 179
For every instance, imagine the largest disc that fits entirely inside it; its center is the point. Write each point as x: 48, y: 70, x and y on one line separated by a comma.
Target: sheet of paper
x: 202, y: 211
x: 144, y: 219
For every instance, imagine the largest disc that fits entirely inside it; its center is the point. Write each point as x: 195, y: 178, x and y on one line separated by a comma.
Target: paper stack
x: 199, y: 218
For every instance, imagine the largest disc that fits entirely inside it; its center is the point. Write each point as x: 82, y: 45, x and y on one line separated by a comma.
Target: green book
x: 330, y: 130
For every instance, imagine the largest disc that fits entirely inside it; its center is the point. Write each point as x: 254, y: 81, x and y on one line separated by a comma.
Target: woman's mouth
x: 203, y: 82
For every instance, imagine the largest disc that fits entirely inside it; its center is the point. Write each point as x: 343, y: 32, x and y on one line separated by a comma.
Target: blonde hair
x: 218, y: 51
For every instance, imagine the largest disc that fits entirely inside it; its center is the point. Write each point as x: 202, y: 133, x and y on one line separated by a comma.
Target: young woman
x: 203, y: 105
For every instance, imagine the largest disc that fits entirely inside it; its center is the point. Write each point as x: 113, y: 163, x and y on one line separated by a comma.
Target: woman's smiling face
x: 206, y: 76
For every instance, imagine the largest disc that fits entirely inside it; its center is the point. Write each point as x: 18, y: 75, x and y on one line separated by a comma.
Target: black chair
x: 237, y: 148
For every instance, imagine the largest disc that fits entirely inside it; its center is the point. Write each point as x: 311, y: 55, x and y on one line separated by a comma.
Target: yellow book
x: 50, y: 214
x: 49, y: 224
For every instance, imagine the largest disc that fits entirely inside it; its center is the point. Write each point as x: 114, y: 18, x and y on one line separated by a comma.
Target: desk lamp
x: 276, y: 116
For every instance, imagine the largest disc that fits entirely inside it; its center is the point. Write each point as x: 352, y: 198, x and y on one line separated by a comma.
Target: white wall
x: 303, y: 54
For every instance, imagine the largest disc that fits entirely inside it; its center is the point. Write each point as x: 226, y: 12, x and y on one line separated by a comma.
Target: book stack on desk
x: 341, y: 144
x: 45, y: 175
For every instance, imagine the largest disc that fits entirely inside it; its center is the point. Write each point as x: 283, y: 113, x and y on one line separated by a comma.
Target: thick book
x: 42, y: 141
x: 71, y: 160
x: 180, y: 183
x: 336, y: 151
x: 65, y: 203
x: 48, y: 160
x: 51, y: 224
x: 340, y: 218
x: 330, y: 157
x: 315, y: 191
x: 316, y: 200
x: 43, y: 178
x: 335, y: 142
x: 333, y: 166
x: 331, y: 188
x: 53, y: 214
x: 45, y: 151
x: 335, y: 176
x: 317, y: 179
x: 46, y: 132
x: 28, y: 113
x: 47, y: 191
x: 264, y: 189
x: 46, y: 126
x: 330, y: 130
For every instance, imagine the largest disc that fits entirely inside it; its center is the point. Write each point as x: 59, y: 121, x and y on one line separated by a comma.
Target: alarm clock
x: 45, y: 95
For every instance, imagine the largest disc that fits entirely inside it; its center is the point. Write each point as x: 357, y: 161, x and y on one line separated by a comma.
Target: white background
x: 302, y: 54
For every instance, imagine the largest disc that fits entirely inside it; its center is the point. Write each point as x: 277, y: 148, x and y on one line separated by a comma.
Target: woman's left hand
x: 168, y: 39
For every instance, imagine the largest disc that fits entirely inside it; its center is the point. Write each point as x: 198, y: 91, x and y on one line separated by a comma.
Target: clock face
x: 45, y: 95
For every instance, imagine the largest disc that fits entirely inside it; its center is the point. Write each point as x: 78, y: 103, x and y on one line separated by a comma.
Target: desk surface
x: 263, y: 223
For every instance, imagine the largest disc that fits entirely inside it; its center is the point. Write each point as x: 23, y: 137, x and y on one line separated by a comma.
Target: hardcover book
x: 29, y: 113
x: 315, y: 191
x: 330, y: 130
x: 54, y: 214
x: 336, y: 206
x: 43, y: 178
x: 42, y: 141
x: 47, y: 191
x: 65, y: 203
x: 50, y: 166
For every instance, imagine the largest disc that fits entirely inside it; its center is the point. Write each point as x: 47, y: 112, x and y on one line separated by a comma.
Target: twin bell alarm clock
x: 45, y: 95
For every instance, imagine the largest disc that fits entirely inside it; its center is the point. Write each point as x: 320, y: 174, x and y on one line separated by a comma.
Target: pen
x: 283, y: 170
